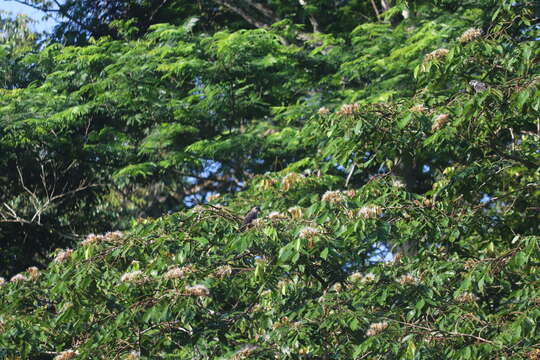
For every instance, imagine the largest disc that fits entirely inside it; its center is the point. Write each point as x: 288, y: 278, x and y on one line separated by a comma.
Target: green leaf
x: 285, y: 253
x: 270, y: 232
x: 324, y: 253
x: 404, y: 121
x: 521, y: 99
x: 411, y: 350
x: 420, y: 305
x: 519, y: 260
x: 297, y: 244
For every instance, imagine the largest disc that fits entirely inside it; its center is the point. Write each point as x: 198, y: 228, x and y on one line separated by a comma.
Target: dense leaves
x: 16, y: 42
x: 397, y: 170
x: 78, y: 21
x: 120, y: 129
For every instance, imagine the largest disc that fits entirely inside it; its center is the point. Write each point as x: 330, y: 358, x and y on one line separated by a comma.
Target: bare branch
x: 40, y: 204
x: 12, y: 217
x: 37, y: 7
x: 156, y: 10
x: 376, y: 9
x: 314, y: 23
x: 269, y: 13
x: 58, y: 11
x: 250, y: 19
x: 386, y: 4
x: 350, y: 174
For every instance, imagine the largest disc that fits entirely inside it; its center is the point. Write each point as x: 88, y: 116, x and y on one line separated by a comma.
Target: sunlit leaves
x: 398, y: 201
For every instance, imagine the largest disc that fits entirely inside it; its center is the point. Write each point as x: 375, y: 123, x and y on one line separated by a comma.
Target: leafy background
x: 399, y: 201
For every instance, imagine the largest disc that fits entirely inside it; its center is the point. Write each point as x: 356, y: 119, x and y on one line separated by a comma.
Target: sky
x: 17, y: 8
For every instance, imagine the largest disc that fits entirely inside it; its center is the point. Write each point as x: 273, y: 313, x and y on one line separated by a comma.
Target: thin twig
x: 452, y: 333
x: 376, y: 9
x: 350, y: 174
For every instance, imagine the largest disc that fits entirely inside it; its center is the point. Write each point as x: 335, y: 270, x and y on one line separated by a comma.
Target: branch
x: 155, y: 11
x: 34, y: 6
x: 386, y: 5
x: 40, y: 205
x: 250, y: 19
x: 376, y: 9
x: 75, y: 20
x: 34, y: 199
x: 527, y: 163
x: 12, y: 216
x: 350, y: 174
x: 451, y: 333
x: 314, y: 23
x: 496, y: 198
x: 58, y: 11
x: 223, y: 212
x: 170, y: 325
x: 269, y: 13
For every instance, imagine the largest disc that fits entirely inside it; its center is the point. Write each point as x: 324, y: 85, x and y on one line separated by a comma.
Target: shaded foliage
x: 396, y: 169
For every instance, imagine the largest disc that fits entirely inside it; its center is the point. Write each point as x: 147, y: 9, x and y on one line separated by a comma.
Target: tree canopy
x: 78, y: 21
x: 394, y: 154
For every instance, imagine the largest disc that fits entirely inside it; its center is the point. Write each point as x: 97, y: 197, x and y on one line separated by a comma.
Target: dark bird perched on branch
x: 250, y: 216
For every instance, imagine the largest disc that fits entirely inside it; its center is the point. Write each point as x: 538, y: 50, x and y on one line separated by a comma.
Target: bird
x: 250, y: 216
x: 478, y: 86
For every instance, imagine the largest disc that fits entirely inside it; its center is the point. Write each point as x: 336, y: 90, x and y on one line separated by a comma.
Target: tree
x: 16, y: 42
x: 387, y: 143
x: 119, y: 130
x: 81, y: 20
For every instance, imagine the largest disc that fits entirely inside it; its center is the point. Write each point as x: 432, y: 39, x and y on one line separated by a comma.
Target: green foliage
x: 82, y: 20
x: 122, y: 120
x: 399, y: 197
x: 280, y: 292
x: 16, y: 42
